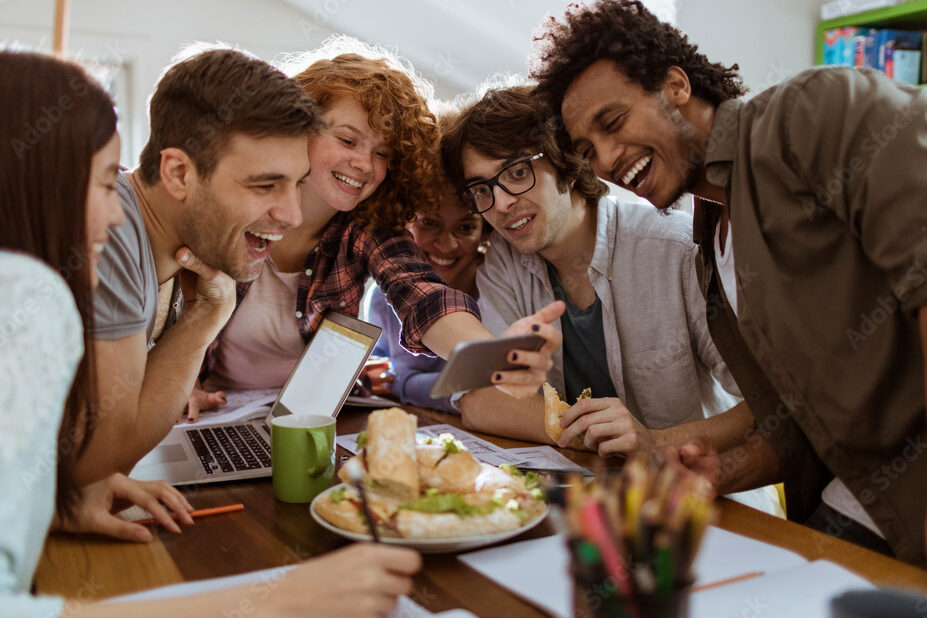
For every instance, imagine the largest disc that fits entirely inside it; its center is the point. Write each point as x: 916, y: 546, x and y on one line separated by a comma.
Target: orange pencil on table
x: 216, y: 510
x: 725, y: 582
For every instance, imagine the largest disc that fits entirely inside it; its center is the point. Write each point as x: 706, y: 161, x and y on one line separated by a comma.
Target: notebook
x: 319, y: 384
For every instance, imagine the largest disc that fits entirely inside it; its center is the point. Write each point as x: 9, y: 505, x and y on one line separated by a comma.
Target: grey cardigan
x: 661, y: 358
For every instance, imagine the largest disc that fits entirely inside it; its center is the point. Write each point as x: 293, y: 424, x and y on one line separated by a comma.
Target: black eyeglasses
x: 515, y: 178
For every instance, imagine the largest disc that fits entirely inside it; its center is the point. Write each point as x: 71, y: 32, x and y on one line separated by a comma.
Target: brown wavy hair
x: 628, y: 34
x: 510, y: 120
x: 401, y: 114
x: 55, y: 118
x: 200, y: 103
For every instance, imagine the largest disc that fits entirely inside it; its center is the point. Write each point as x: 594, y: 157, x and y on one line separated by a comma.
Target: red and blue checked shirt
x: 335, y: 271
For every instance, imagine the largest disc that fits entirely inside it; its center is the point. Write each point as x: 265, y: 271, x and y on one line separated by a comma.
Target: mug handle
x: 319, y: 443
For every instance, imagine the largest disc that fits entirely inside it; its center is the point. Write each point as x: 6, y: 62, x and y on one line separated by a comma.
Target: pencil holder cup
x: 600, y: 598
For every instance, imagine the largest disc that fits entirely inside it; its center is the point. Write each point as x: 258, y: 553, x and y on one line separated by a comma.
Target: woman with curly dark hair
x: 373, y: 165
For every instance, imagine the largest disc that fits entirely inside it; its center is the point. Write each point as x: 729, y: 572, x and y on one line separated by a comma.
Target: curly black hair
x: 627, y: 33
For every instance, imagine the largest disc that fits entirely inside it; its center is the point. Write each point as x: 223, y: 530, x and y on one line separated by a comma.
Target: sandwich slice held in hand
x: 433, y: 490
x: 554, y: 409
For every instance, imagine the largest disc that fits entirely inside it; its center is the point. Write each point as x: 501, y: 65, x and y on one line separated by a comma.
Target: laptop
x: 319, y: 384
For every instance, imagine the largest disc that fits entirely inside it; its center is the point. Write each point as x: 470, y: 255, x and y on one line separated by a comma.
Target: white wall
x: 769, y: 39
x: 146, y: 35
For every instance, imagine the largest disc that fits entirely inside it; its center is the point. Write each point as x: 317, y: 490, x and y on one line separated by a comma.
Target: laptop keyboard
x: 232, y: 448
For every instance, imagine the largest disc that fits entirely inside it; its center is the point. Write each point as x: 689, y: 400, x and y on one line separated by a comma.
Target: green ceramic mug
x: 302, y: 453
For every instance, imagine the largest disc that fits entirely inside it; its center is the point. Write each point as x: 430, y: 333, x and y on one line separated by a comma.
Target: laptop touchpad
x: 168, y: 453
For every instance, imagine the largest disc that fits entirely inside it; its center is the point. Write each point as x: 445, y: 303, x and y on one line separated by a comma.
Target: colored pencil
x: 216, y: 510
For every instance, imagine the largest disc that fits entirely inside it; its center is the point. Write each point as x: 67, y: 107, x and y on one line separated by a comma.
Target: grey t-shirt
x: 585, y: 360
x: 126, y: 301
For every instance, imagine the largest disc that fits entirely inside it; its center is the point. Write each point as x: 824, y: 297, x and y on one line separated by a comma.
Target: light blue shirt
x: 40, y: 346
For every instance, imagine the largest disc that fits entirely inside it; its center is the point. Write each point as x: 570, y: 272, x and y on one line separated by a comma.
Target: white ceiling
x: 455, y: 44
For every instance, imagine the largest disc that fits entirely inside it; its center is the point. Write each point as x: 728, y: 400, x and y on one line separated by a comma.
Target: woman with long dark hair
x: 59, y: 154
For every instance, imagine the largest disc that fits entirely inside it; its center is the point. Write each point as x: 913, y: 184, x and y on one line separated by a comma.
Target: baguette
x: 391, y: 462
x: 446, y: 472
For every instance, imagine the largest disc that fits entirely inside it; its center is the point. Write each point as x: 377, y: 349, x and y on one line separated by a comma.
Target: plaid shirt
x: 334, y: 274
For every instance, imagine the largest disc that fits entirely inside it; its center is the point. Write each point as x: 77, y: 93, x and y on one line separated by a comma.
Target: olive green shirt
x: 826, y: 182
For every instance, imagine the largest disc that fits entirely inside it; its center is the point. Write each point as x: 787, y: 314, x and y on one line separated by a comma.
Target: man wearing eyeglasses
x: 634, y: 331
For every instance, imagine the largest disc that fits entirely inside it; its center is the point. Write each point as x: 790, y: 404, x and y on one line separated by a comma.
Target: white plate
x: 427, y: 546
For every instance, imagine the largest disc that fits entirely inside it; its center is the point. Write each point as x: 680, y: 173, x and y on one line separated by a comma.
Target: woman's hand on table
x: 95, y: 513
x: 201, y: 400
x: 358, y: 581
x: 526, y: 382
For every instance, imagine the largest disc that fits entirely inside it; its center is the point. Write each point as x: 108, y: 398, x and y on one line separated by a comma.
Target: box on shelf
x: 906, y: 66
x: 839, y: 8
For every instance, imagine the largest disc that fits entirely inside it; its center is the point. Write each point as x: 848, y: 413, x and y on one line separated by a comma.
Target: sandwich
x: 455, y: 495
x: 392, y: 469
x: 554, y: 409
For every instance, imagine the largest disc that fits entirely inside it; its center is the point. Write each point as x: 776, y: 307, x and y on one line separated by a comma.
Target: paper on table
x: 536, y: 570
x: 482, y: 450
x: 241, y: 406
x: 543, y: 457
x: 800, y: 592
x: 405, y: 608
x: 724, y: 554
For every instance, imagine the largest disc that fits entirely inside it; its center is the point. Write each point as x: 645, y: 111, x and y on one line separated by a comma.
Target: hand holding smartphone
x: 473, y: 363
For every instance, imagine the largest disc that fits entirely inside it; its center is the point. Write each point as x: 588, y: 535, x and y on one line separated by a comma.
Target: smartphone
x: 472, y: 363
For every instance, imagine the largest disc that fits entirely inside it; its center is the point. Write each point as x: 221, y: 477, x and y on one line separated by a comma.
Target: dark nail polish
x: 514, y: 356
x: 498, y: 377
x: 535, y: 327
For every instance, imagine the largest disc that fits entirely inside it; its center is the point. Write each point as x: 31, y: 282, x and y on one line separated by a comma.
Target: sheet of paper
x: 543, y: 457
x: 536, y: 570
x: 803, y: 591
x: 255, y: 579
x: 483, y: 451
x: 724, y: 555
x: 241, y: 406
x: 258, y: 580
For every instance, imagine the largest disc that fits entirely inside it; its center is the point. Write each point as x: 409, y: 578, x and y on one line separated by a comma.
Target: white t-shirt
x: 836, y: 495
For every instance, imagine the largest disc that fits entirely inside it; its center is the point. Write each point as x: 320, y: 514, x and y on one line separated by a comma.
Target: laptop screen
x: 325, y: 373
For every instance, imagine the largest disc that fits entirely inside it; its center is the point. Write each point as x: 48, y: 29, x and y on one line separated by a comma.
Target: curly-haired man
x: 813, y: 189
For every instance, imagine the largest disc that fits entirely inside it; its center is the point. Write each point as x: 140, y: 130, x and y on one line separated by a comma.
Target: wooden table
x: 269, y: 533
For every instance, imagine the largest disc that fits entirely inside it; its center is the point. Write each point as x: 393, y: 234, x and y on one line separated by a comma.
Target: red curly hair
x: 400, y: 113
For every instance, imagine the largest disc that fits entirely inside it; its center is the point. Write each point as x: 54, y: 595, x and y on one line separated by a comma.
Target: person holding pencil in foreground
x: 48, y: 367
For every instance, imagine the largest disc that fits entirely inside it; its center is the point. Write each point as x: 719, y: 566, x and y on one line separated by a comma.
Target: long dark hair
x: 53, y: 118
